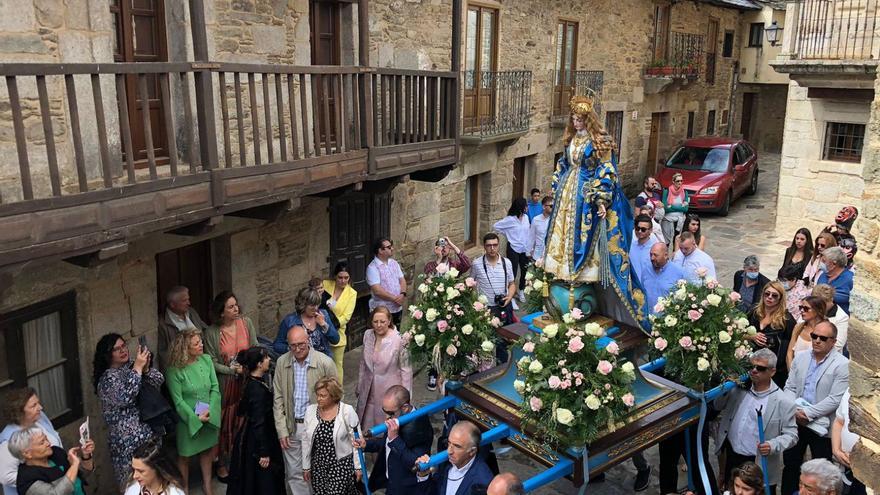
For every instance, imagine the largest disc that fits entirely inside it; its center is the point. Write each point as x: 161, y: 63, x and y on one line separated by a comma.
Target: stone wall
x: 259, y: 31
x: 768, y: 115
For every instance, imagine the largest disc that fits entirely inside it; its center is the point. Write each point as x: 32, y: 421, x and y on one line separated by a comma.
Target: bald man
x: 506, y: 484
x: 464, y: 473
x: 661, y: 277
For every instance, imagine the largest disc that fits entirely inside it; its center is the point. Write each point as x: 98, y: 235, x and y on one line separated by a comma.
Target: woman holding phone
x: 195, y: 393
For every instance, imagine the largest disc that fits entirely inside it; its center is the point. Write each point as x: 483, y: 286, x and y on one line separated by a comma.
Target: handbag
x: 154, y: 409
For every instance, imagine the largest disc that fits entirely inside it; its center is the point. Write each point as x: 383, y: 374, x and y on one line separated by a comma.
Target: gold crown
x: 582, y: 104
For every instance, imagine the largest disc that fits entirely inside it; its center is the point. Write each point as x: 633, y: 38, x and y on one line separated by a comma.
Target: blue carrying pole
x: 364, y: 476
x: 763, y: 457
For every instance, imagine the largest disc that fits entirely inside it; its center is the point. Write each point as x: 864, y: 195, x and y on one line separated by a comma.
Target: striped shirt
x: 490, y: 281
x: 300, y: 387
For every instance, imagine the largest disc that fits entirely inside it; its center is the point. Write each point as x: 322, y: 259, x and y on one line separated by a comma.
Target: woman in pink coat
x: 385, y: 363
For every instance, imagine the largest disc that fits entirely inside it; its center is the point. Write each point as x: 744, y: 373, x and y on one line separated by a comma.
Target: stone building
x: 830, y: 159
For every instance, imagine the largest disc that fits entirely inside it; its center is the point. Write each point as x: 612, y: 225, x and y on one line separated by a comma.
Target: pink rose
x: 529, y: 347
x: 712, y: 284
x: 701, y: 271
x: 417, y: 314
x: 660, y: 343
x: 554, y: 382
x: 741, y: 352
x: 495, y: 322
x: 604, y: 367
x: 577, y: 314
x: 470, y: 282
x: 735, y: 297
x: 694, y: 315
x: 479, y: 306
x: 442, y: 326
x: 578, y: 382
x: 536, y: 404
x: 451, y: 350
x: 659, y: 307
x: 459, y: 286
x: 607, y: 386
x: 686, y: 342
x: 612, y: 348
x: 575, y: 345
x: 565, y: 384
x: 629, y: 400
x: 442, y: 268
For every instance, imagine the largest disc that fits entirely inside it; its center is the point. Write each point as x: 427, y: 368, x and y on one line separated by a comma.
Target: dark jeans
x: 396, y: 317
x: 519, y: 261
x: 794, y: 457
x: 673, y: 448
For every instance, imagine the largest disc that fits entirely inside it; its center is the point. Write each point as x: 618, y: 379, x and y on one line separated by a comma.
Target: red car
x: 716, y: 171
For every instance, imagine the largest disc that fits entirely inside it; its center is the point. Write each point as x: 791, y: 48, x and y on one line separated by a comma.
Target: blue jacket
x: 843, y: 285
x: 413, y: 441
x: 475, y: 481
x: 320, y: 339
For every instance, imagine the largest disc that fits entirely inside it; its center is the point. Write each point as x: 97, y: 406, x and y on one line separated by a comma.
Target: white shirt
x: 848, y: 439
x: 697, y: 259
x: 455, y: 476
x: 537, y: 235
x: 743, y: 436
x: 374, y: 277
x: 516, y: 230
x: 181, y: 323
x: 490, y: 281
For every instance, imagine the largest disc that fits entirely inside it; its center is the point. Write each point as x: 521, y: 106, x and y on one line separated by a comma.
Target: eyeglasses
x: 301, y: 345
x: 820, y: 245
x: 771, y: 295
x: 804, y: 309
x: 120, y: 348
x: 759, y: 368
x: 642, y: 229
x: 678, y: 181
x: 823, y: 338
x: 493, y: 245
x: 388, y: 413
x: 390, y: 246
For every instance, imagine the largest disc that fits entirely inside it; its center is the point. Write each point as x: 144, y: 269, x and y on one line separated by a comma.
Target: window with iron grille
x: 844, y: 141
x: 691, y: 118
x: 614, y: 126
x: 710, y: 123
x: 756, y: 34
x: 39, y: 349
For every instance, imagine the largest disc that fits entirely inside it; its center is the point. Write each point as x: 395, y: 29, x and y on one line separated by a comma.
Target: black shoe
x: 432, y: 380
x: 643, y: 478
x: 599, y: 478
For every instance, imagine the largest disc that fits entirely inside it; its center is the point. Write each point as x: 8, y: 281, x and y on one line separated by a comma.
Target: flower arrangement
x: 701, y: 333
x: 571, y: 387
x: 451, y: 325
x: 536, y: 284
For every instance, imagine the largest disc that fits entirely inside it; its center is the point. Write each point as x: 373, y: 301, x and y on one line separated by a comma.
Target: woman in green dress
x: 195, y: 392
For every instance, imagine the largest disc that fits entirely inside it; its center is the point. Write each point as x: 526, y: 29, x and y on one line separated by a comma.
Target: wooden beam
x: 268, y: 213
x: 99, y: 257
x: 200, y: 228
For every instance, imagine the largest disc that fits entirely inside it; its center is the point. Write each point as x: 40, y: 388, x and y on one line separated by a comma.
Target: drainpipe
x: 734, y: 83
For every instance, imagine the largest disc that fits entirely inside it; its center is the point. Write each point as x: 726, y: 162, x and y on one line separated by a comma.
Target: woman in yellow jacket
x: 341, y: 298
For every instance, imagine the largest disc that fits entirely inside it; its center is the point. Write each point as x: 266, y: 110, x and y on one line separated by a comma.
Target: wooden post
x: 364, y: 33
x: 456, y: 69
x: 204, y: 88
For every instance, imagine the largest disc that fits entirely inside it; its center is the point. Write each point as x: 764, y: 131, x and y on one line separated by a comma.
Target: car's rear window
x: 695, y: 158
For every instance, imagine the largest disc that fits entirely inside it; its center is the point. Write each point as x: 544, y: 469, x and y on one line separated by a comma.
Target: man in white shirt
x: 693, y: 260
x: 538, y: 230
x: 640, y: 246
x: 464, y: 473
x: 386, y: 281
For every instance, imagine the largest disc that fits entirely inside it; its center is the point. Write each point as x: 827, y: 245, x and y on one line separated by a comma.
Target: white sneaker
x: 521, y: 296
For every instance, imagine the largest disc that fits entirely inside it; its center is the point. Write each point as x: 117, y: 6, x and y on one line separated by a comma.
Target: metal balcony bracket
x: 99, y: 257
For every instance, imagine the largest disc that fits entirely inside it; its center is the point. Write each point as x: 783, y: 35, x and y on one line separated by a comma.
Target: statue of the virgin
x: 589, y: 232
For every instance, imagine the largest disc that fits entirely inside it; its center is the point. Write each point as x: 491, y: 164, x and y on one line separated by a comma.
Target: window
x: 710, y: 123
x: 725, y: 114
x: 756, y: 34
x: 711, y: 50
x: 614, y: 126
x: 471, y: 209
x: 740, y: 155
x: 662, y: 15
x: 727, y: 47
x: 690, y: 131
x: 481, y: 49
x: 40, y: 346
x: 566, y: 64
x: 843, y: 142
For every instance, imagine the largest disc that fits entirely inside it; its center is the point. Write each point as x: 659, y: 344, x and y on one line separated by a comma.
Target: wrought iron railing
x: 567, y: 84
x: 684, y: 58
x: 496, y: 103
x: 837, y: 30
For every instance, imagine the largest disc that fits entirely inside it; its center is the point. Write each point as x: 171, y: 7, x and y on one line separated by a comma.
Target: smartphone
x: 142, y: 341
x: 201, y: 407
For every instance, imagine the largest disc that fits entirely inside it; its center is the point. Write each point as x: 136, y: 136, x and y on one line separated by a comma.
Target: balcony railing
x: 572, y: 83
x: 837, y: 30
x: 496, y: 103
x: 684, y: 60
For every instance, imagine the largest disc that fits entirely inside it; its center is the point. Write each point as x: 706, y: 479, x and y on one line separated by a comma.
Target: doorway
x: 659, y: 130
x: 191, y: 267
x: 325, y: 27
x: 711, y: 50
x: 139, y: 31
x: 748, y: 106
x: 519, y: 178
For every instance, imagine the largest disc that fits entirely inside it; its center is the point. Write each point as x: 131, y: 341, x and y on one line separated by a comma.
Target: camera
x: 499, y: 299
x: 441, y: 242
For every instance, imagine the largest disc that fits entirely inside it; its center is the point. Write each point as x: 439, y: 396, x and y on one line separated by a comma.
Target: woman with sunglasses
x: 675, y: 202
x: 813, y: 312
x: 813, y: 270
x: 800, y: 252
x: 774, y: 325
x: 693, y: 225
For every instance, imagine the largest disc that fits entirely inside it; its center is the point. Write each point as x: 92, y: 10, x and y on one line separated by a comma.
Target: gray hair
x: 827, y: 475
x: 21, y: 440
x: 751, y: 261
x: 835, y: 255
x: 174, y: 293
x: 765, y: 354
x: 472, y: 430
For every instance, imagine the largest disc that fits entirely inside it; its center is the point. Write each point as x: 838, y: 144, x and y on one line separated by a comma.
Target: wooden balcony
x: 497, y: 106
x: 105, y: 153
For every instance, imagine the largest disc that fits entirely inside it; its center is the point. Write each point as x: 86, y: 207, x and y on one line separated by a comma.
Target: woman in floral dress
x: 117, y: 382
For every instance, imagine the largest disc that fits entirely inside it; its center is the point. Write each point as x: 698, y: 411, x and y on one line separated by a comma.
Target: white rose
x: 593, y: 329
x: 670, y: 321
x: 452, y: 273
x: 702, y: 364
x: 487, y: 346
x: 751, y: 330
x: 564, y: 416
x: 524, y: 361
x: 483, y: 299
x: 537, y: 284
x: 593, y: 402
x: 628, y: 367
x: 423, y: 288
x: 419, y: 339
x: 742, y: 323
x: 536, y: 366
x: 467, y: 329
x: 431, y: 314
x: 680, y: 294
x: 567, y: 319
x: 519, y: 386
x: 715, y: 300
x: 723, y: 337
x: 551, y: 330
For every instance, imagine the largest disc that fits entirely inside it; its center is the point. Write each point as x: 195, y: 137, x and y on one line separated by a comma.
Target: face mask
x: 786, y: 285
x: 822, y: 267
x: 752, y: 275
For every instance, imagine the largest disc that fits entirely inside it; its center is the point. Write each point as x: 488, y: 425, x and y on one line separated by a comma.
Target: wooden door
x: 324, y: 24
x: 191, y: 267
x: 711, y: 50
x: 654, y: 144
x: 480, y: 64
x: 519, y: 174
x: 566, y: 64
x: 745, y: 127
x: 139, y: 31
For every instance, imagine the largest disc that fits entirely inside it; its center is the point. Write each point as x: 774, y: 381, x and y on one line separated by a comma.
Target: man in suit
x: 400, y: 447
x: 737, y: 428
x: 464, y: 473
x: 818, y: 380
x: 296, y: 373
x: 179, y: 315
x: 749, y: 283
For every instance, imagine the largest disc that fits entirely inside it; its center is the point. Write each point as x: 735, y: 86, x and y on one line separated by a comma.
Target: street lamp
x: 773, y: 33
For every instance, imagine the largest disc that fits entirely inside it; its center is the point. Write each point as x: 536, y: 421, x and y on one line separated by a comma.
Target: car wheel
x: 753, y: 185
x: 725, y: 208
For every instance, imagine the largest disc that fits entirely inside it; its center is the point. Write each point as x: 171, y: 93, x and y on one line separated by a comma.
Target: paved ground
x: 748, y: 229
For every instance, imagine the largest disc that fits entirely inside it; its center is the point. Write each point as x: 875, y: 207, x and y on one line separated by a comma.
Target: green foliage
x: 536, y: 282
